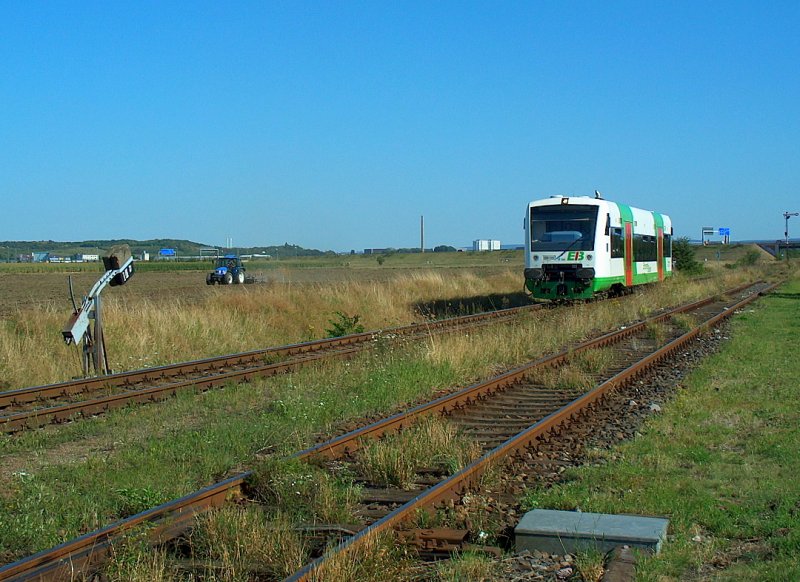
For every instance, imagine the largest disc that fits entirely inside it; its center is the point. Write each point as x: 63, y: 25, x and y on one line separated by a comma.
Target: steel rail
x: 125, y: 379
x: 81, y: 555
x: 349, y: 442
x: 250, y: 366
x: 68, y: 560
x: 40, y: 417
x: 468, y: 478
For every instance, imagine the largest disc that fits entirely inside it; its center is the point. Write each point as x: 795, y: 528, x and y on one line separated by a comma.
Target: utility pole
x: 422, y: 234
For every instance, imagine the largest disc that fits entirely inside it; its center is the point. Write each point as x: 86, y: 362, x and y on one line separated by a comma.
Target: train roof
x: 555, y: 200
x: 584, y: 200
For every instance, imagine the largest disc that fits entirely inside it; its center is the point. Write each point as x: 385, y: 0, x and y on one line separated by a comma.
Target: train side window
x: 617, y: 243
x: 644, y: 248
x: 667, y: 245
x: 650, y: 249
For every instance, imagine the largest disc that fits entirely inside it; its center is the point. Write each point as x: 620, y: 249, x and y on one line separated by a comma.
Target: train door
x: 628, y: 254
x: 660, y: 242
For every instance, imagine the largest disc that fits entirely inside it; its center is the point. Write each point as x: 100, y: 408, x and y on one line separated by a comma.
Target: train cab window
x: 617, y: 243
x: 667, y: 245
x: 556, y: 228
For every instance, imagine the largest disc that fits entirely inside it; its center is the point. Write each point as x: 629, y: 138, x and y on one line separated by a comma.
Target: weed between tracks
x: 378, y: 559
x: 580, y: 373
x: 134, y: 560
x: 684, y: 321
x: 433, y: 443
x: 240, y: 543
x: 64, y: 481
x: 304, y: 492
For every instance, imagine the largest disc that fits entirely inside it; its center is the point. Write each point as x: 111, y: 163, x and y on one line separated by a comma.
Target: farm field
x: 44, y: 286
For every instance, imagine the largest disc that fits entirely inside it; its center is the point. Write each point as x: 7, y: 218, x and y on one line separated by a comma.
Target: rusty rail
x: 68, y: 560
x: 213, y: 372
x: 350, y: 441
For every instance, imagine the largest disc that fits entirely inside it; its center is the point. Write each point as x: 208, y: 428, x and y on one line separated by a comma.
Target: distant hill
x: 10, y: 250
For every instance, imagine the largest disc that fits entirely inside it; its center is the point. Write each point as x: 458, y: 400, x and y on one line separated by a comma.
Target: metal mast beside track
x: 787, y: 216
x: 119, y: 268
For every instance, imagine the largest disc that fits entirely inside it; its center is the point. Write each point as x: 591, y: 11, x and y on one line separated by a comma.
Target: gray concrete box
x: 564, y: 532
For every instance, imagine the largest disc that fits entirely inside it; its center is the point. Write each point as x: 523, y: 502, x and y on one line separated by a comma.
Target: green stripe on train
x: 659, y: 222
x: 625, y: 212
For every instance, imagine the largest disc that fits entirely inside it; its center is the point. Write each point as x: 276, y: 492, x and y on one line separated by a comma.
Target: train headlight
x: 589, y: 257
x: 586, y: 273
x: 535, y: 257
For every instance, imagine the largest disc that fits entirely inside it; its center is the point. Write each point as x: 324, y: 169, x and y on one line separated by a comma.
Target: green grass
x: 721, y: 462
x: 304, y: 492
x: 173, y: 448
x: 729, y: 253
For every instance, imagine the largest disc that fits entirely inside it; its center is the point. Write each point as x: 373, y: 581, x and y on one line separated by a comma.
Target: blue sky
x: 335, y: 125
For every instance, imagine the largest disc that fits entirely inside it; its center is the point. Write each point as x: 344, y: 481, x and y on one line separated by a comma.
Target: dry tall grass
x: 239, y: 544
x: 142, y: 333
x: 378, y: 559
x: 490, y: 350
x: 395, y: 459
x: 134, y: 560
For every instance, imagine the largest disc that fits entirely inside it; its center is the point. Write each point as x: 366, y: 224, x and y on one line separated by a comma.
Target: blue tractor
x: 229, y: 270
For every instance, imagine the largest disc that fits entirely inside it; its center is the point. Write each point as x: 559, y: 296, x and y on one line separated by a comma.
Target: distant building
x: 41, y: 257
x: 24, y: 258
x: 485, y: 244
x: 144, y: 256
x: 375, y: 251
x: 85, y: 258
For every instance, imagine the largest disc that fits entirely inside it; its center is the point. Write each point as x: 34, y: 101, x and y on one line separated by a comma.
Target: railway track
x: 37, y: 406
x: 516, y: 413
x: 511, y: 414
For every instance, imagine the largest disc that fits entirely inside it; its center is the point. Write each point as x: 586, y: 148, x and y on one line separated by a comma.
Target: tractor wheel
x: 240, y: 278
x: 209, y: 279
x: 228, y: 278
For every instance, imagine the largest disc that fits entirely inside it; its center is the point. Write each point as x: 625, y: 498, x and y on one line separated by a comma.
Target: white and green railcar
x: 576, y: 247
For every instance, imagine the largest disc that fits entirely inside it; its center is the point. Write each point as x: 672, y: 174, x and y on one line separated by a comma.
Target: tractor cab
x: 228, y: 270
x: 228, y: 263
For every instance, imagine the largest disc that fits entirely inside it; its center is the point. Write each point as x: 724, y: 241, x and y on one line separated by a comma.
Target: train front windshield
x: 555, y: 228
